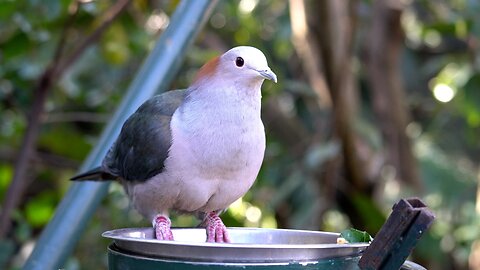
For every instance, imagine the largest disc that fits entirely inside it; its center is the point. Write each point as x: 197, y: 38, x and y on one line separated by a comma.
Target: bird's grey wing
x: 142, y: 146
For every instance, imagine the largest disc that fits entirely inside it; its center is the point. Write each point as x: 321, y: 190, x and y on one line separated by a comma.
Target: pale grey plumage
x: 194, y: 151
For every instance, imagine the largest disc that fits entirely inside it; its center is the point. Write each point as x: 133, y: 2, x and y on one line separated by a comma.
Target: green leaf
x: 472, y: 100
x: 16, y: 46
x: 115, y: 45
x: 373, y: 217
x: 6, y: 174
x: 445, y: 28
x: 55, y: 139
x: 355, y: 236
x: 7, y: 8
x: 39, y: 210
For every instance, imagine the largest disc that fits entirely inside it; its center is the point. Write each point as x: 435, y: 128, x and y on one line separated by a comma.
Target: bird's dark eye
x: 239, y: 62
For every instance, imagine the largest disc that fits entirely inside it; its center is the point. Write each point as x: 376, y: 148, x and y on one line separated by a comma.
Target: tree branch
x: 106, y: 21
x: 50, y: 76
x: 87, y: 117
x: 308, y: 52
x: 326, y: 28
x: 40, y: 158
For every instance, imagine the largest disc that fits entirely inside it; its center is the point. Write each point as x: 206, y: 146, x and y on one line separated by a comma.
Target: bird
x: 193, y: 151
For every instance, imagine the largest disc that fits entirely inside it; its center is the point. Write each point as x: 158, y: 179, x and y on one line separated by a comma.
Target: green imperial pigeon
x: 196, y: 150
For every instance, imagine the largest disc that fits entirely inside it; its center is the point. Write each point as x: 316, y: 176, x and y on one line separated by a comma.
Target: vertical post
x: 63, y: 231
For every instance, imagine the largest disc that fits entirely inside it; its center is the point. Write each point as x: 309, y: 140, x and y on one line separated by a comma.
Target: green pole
x: 62, y: 233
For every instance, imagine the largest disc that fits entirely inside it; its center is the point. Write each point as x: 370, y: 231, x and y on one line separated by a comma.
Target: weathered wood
x: 390, y: 248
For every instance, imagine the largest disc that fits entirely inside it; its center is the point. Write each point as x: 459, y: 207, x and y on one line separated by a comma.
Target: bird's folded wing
x: 142, y: 146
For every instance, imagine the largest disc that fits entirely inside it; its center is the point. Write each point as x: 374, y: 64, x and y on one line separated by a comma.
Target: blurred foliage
x: 441, y: 71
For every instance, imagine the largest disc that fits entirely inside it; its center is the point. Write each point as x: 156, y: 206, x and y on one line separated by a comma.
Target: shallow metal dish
x: 249, y: 245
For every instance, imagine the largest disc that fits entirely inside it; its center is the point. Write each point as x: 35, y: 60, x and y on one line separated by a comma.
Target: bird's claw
x: 162, y: 228
x: 216, y: 230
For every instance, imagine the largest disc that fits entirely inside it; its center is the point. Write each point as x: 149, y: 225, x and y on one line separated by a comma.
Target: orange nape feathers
x: 207, y: 70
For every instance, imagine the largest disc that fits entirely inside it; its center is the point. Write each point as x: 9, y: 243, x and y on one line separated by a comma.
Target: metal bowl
x: 249, y: 245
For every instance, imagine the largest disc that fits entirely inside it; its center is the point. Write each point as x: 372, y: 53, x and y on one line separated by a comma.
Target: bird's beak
x: 268, y: 74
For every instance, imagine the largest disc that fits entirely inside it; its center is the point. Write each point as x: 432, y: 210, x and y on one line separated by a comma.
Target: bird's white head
x: 242, y: 64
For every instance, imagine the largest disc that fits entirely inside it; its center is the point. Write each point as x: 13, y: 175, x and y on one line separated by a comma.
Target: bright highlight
x: 247, y: 6
x: 443, y: 92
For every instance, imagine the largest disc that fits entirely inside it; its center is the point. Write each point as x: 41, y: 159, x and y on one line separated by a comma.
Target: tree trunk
x: 384, y: 51
x: 322, y: 34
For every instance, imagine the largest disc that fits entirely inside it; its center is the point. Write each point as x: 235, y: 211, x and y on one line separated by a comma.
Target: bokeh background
x: 376, y: 101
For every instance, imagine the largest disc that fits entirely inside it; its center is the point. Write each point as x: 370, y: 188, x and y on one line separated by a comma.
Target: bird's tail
x: 95, y: 174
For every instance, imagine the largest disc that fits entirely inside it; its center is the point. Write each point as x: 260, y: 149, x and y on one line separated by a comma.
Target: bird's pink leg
x: 162, y: 228
x: 216, y: 230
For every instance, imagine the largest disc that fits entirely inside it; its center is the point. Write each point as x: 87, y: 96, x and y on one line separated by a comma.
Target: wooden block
x: 390, y: 248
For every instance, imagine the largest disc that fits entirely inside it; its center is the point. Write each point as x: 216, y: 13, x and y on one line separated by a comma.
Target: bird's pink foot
x: 216, y: 230
x: 162, y: 228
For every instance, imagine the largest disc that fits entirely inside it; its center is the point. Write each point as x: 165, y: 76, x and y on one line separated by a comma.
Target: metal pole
x: 63, y: 231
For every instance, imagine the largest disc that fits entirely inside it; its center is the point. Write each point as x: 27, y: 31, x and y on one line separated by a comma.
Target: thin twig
x: 107, y: 20
x: 87, y: 117
x: 7, y: 154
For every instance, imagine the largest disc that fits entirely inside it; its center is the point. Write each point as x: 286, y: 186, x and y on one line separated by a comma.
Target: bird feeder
x: 261, y: 249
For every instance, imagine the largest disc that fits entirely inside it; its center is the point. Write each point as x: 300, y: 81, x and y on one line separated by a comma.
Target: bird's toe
x: 162, y: 228
x: 216, y: 230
